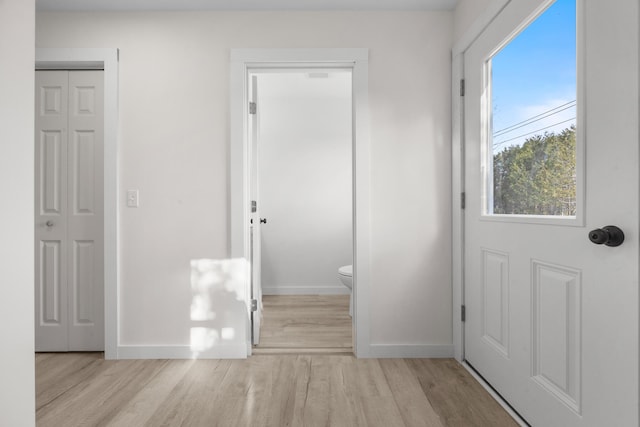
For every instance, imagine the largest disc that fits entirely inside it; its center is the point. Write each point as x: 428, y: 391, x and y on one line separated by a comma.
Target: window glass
x: 532, y: 134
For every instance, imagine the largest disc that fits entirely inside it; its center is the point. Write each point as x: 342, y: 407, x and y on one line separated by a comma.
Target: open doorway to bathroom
x: 302, y: 182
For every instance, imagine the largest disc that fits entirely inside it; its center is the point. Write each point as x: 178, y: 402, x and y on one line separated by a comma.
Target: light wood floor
x: 309, y: 324
x: 82, y: 389
x: 321, y: 385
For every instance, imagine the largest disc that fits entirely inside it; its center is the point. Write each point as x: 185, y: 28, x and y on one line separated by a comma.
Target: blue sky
x: 533, y: 74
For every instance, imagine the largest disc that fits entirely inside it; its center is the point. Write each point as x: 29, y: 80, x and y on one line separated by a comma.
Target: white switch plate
x: 133, y: 198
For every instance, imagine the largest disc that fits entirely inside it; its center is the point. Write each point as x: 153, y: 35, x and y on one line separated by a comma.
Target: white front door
x: 69, y: 289
x: 256, y: 221
x: 552, y: 318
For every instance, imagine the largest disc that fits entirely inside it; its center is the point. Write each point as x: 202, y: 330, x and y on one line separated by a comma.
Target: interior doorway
x: 301, y: 225
x: 244, y: 61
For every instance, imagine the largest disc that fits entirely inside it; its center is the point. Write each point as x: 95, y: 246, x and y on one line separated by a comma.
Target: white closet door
x: 69, y: 211
x: 51, y: 321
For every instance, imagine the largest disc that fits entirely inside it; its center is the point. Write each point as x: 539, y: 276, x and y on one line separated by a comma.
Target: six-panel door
x: 69, y: 293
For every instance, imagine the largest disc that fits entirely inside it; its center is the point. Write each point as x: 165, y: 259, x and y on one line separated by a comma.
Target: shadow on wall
x: 218, y: 308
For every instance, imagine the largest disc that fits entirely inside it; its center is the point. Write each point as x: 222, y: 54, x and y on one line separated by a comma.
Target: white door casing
x: 256, y: 240
x: 69, y: 211
x: 552, y: 319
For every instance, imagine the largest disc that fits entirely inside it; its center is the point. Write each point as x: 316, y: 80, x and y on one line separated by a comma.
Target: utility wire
x: 514, y: 127
x: 535, y: 131
x: 535, y: 118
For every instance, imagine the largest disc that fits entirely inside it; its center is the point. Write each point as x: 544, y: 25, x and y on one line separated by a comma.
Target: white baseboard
x: 390, y: 351
x: 232, y: 351
x: 305, y: 290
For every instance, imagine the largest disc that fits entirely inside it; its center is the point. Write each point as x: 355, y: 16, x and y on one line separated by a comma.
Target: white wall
x: 174, y: 148
x: 305, y: 181
x: 17, y: 391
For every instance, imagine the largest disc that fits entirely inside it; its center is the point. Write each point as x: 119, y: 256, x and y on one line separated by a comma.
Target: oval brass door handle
x: 609, y: 235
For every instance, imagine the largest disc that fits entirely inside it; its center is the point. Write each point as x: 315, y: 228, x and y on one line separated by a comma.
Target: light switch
x: 133, y: 198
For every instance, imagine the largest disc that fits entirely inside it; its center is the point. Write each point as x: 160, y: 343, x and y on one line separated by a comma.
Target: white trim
x: 391, y: 351
x: 457, y: 166
x: 565, y: 221
x: 108, y: 58
x: 457, y: 213
x: 305, y: 290
x: 230, y: 351
x: 305, y: 57
x: 357, y: 59
x: 495, y: 396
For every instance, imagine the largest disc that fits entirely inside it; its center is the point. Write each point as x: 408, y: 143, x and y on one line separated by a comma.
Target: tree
x: 537, y: 177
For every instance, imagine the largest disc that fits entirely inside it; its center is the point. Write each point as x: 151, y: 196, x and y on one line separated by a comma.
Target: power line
x: 514, y: 127
x: 535, y: 118
x: 537, y: 115
x: 535, y: 131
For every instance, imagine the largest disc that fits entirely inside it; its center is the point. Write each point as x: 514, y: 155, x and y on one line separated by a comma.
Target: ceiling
x: 126, y: 5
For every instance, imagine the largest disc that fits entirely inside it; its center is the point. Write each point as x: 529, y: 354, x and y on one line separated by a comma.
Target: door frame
x: 244, y: 60
x: 457, y: 166
x: 100, y: 59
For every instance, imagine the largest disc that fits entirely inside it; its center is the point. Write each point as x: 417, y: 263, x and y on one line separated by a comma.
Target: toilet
x: 346, y: 277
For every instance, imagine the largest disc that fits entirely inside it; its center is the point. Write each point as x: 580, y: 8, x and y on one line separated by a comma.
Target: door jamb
x: 357, y: 59
x: 457, y: 167
x: 106, y: 59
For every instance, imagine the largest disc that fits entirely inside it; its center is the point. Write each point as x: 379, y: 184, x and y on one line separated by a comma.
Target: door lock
x: 609, y: 235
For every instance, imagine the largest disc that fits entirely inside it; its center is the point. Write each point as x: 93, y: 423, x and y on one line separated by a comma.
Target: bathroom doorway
x: 302, y: 224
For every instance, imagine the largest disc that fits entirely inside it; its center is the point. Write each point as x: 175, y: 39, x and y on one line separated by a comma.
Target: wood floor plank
x: 374, y: 396
x: 316, y: 404
x: 382, y: 412
x: 141, y: 408
x: 456, y: 396
x: 250, y: 385
x: 95, y: 401
x: 414, y: 406
x: 367, y: 379
x: 192, y: 395
x: 56, y: 373
x: 288, y: 389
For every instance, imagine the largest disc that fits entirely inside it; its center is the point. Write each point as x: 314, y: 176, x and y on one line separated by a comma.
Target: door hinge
x: 463, y: 200
x: 463, y: 313
x: 254, y: 305
x: 254, y: 206
x: 461, y: 87
x: 253, y: 108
